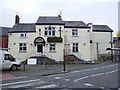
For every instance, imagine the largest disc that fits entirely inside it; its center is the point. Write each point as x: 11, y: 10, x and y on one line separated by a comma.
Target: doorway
x: 40, y: 48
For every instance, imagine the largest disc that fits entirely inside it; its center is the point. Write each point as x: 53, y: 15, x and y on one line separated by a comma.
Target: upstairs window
x: 74, y: 32
x: 75, y: 47
x: 49, y: 31
x: 23, y: 35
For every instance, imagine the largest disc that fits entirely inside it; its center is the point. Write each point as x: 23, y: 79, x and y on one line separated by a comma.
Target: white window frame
x: 74, y: 32
x: 23, y: 35
x: 49, y: 31
x: 23, y: 47
x: 75, y: 47
x: 52, y: 47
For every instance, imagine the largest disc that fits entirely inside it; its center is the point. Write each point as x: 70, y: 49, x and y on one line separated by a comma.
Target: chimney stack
x: 17, y: 19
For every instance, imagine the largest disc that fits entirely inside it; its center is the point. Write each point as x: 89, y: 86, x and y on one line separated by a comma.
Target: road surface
x: 103, y: 77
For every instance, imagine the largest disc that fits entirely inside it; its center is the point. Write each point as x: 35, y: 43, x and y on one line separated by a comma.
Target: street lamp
x: 64, y: 69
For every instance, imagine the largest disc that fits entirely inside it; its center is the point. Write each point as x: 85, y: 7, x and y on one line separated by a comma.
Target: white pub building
x: 52, y: 37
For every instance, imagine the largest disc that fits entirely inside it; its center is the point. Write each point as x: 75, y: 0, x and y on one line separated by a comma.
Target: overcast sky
x: 103, y: 12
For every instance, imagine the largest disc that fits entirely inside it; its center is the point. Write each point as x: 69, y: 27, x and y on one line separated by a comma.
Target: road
x: 104, y: 77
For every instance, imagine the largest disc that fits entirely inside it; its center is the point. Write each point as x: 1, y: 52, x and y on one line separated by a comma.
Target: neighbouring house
x: 116, y: 42
x: 4, y: 37
x: 116, y: 49
x: 100, y: 39
x: 52, y: 37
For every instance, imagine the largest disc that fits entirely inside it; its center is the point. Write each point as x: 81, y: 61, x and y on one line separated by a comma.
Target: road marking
x: 75, y: 71
x: 97, y: 74
x: 58, y: 77
x: 114, y: 71
x: 51, y: 75
x: 20, y: 82
x: 76, y: 80
x: 93, y: 68
x: 87, y: 84
x: 67, y: 79
x: 81, y: 78
x: 48, y: 86
x: 102, y: 87
x: 90, y: 85
x: 26, y: 84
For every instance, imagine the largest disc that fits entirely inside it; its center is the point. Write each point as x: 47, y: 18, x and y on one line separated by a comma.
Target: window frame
x: 49, y: 31
x: 23, y: 47
x: 52, y: 48
x: 74, y: 32
x: 23, y: 35
x: 75, y: 47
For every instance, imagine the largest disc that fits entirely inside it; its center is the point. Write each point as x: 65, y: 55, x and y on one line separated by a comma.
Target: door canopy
x: 39, y: 40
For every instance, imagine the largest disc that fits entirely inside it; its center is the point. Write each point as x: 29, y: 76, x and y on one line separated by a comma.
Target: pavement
x: 28, y: 74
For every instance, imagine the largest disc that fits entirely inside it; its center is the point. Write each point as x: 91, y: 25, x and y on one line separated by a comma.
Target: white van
x: 7, y: 61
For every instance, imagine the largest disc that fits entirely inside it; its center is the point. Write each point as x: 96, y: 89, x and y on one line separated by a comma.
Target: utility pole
x: 64, y: 68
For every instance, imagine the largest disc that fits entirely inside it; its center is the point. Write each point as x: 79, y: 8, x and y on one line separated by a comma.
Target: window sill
x: 75, y: 36
x: 52, y: 51
x: 23, y: 37
x: 76, y: 52
x: 22, y: 51
x: 49, y: 35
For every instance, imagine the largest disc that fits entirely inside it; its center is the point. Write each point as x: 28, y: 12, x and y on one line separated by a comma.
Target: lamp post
x: 64, y: 68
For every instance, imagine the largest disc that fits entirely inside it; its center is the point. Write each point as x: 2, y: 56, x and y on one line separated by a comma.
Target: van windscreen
x: 9, y: 57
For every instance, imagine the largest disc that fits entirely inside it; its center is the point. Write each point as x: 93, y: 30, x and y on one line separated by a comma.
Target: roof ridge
x: 4, y: 27
x: 48, y: 16
x: 73, y: 21
x: 99, y: 25
x: 25, y: 23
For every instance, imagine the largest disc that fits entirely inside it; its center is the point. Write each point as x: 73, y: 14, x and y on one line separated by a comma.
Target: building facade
x: 52, y: 37
x: 4, y: 37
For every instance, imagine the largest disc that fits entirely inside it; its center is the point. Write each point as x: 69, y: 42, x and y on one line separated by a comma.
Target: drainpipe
x: 97, y: 50
x: 60, y: 31
x: 90, y: 38
x: 111, y: 47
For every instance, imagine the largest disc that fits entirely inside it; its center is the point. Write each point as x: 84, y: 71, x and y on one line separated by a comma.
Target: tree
x: 118, y: 34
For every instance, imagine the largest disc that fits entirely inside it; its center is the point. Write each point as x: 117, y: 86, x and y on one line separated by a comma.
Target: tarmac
x: 58, y: 70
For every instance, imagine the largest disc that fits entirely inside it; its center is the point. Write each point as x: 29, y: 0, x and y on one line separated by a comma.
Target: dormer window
x: 23, y: 35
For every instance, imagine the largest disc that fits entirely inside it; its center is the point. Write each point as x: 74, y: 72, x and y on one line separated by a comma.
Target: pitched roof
x: 75, y: 24
x: 4, y: 31
x: 45, y: 20
x: 23, y: 27
x: 101, y: 28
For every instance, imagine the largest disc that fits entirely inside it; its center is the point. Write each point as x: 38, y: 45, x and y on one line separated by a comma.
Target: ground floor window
x: 75, y: 47
x: 22, y: 47
x: 52, y: 47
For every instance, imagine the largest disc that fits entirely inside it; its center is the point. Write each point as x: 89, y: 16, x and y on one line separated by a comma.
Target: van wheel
x: 14, y: 67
